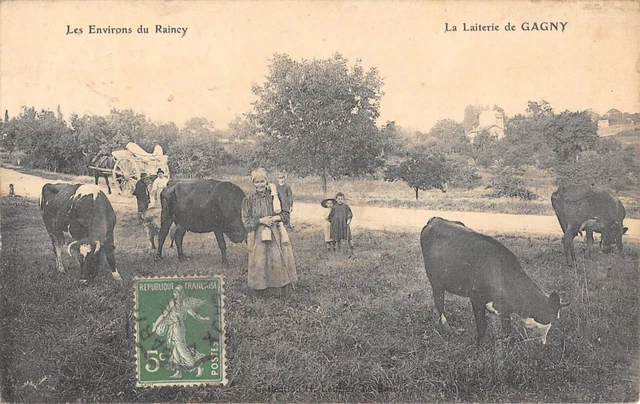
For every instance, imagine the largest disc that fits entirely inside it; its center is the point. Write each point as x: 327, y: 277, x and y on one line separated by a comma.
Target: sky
x: 429, y: 74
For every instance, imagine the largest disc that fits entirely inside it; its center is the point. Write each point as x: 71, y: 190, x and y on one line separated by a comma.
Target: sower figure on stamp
x: 286, y: 196
x: 182, y: 357
x: 271, y: 267
x: 340, y: 218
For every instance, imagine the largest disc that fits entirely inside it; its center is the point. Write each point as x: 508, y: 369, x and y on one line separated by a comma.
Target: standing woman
x: 272, y: 269
x: 158, y: 185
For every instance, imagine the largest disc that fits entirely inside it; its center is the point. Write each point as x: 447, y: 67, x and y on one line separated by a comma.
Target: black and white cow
x: 469, y: 264
x: 83, y: 211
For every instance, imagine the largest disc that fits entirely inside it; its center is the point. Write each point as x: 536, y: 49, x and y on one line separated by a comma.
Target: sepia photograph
x: 319, y: 201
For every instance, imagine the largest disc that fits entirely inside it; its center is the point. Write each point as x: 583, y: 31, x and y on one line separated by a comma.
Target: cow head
x: 612, y: 236
x: 87, y: 252
x: 538, y: 328
x: 236, y: 231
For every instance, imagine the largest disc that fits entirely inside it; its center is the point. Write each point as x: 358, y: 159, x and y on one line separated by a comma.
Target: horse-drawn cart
x: 127, y: 166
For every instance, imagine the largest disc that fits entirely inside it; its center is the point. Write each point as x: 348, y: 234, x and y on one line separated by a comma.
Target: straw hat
x: 324, y: 202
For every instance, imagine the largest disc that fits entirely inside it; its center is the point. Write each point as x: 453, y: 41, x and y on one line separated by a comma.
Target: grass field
x: 357, y: 328
x: 377, y: 192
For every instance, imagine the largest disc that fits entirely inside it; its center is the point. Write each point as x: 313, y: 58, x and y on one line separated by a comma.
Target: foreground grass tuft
x: 356, y: 328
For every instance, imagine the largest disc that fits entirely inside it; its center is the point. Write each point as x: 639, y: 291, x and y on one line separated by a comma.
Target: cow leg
x: 505, y: 321
x: 438, y: 298
x: 619, y: 241
x: 58, y: 243
x: 589, y: 242
x: 152, y: 235
x: 619, y: 245
x: 478, y: 306
x: 567, y: 241
x: 180, y: 232
x: 172, y: 236
x: 223, y: 246
x: 110, y: 252
x: 164, y: 230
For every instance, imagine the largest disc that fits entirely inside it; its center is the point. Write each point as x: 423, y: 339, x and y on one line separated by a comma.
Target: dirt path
x: 30, y: 186
x: 365, y: 217
x: 413, y: 220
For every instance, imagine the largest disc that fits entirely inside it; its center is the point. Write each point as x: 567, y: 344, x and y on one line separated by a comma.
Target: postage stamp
x: 180, y: 330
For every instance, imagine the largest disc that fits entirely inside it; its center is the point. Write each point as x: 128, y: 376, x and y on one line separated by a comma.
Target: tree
x: 524, y: 140
x: 91, y: 133
x: 197, y: 156
x: 540, y: 108
x: 395, y: 143
x: 471, y: 117
x: 484, y: 150
x: 450, y: 136
x: 163, y: 134
x: 124, y: 126
x: 570, y: 133
x: 241, y: 129
x: 319, y: 117
x: 609, y: 164
x: 46, y: 141
x: 421, y: 171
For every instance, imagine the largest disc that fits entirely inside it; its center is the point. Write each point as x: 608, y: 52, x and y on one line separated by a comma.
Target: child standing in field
x: 340, y: 218
x: 326, y: 225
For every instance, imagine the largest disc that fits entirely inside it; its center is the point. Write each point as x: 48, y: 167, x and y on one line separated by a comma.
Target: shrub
x: 463, y: 175
x: 506, y: 184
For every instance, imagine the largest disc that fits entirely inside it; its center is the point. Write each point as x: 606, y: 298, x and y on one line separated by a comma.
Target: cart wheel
x: 126, y: 174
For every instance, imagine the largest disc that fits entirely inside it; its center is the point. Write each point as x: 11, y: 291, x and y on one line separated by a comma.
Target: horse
x: 102, y: 161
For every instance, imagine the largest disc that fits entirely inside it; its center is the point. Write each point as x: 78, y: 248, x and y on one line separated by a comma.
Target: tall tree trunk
x: 416, y: 189
x: 324, y: 183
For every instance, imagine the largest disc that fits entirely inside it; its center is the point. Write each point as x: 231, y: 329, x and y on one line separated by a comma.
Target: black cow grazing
x: 83, y: 211
x: 102, y: 161
x: 152, y: 222
x: 589, y: 208
x: 202, y: 206
x: 463, y: 262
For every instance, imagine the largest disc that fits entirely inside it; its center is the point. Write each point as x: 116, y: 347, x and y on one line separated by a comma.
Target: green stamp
x: 180, y: 331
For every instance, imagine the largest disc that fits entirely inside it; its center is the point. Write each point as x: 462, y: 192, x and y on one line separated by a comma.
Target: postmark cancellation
x: 180, y: 330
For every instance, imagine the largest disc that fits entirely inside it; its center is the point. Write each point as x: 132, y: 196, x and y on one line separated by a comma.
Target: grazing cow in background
x: 469, y: 264
x: 152, y: 222
x: 102, y: 161
x: 202, y: 206
x: 83, y: 211
x: 592, y: 209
